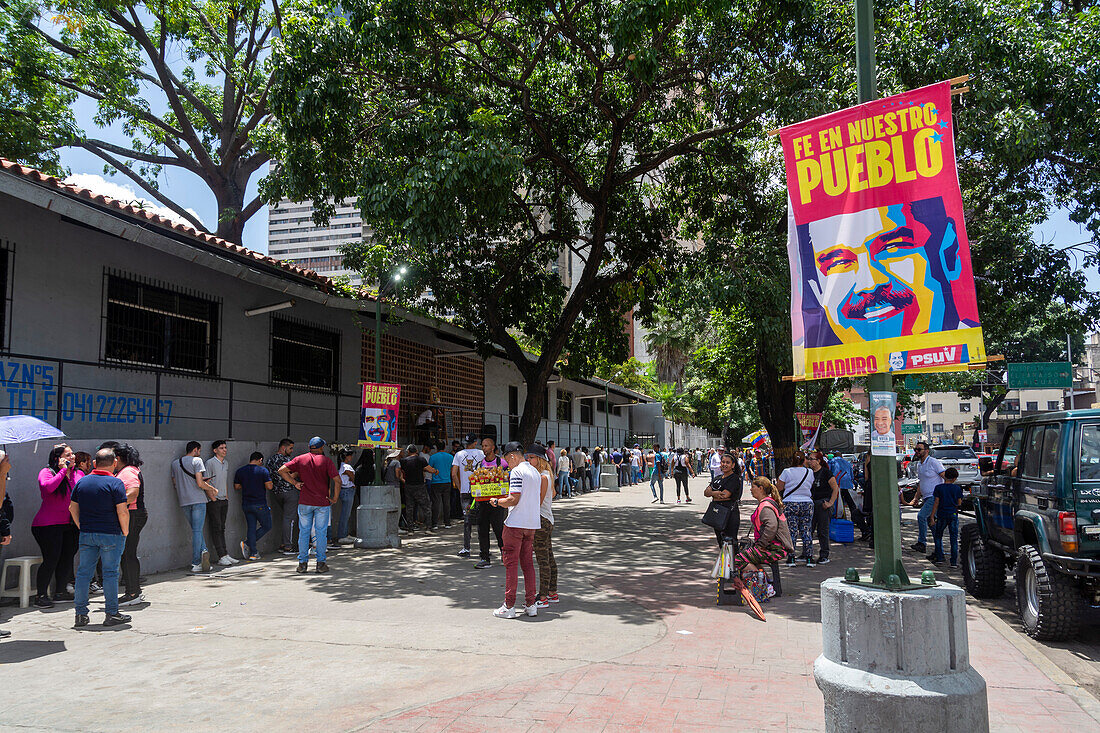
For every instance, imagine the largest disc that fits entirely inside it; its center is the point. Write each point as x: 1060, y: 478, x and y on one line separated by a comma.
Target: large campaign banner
x: 378, y: 423
x: 880, y: 264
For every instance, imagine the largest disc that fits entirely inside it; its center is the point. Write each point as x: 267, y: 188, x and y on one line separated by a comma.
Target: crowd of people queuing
x: 93, y: 506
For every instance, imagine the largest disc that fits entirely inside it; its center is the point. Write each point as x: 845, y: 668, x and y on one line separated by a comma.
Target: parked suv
x: 1039, y: 513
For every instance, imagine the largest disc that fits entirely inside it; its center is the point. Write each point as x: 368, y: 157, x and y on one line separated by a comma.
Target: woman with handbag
x: 724, y: 491
x: 824, y: 492
x: 794, y: 488
x: 771, y: 536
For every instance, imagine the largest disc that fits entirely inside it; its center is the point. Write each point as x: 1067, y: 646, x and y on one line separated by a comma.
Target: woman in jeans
x: 53, y: 528
x: 347, y: 498
x: 128, y: 471
x: 563, y: 474
x: 795, y: 484
x: 544, y: 541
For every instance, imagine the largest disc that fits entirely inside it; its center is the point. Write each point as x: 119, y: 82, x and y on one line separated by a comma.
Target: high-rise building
x: 292, y: 236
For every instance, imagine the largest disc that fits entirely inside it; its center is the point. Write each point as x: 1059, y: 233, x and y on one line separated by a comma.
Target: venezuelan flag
x: 757, y: 439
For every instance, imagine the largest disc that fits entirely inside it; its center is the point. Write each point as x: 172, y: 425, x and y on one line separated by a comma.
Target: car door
x: 1085, y: 499
x: 997, y: 490
x: 1035, y: 494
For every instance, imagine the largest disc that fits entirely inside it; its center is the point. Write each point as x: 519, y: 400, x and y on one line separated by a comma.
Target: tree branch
x: 147, y: 187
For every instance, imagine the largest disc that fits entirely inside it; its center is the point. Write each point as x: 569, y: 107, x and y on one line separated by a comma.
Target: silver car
x: 963, y: 459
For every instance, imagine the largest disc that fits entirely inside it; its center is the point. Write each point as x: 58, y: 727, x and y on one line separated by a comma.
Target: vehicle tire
x: 983, y: 565
x: 1050, y: 607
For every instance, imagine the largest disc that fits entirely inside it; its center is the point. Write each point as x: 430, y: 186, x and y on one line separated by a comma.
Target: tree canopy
x: 186, y: 81
x: 518, y: 155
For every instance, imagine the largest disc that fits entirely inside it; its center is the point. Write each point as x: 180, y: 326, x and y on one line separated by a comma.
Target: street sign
x: 910, y: 429
x: 983, y: 436
x: 1040, y: 375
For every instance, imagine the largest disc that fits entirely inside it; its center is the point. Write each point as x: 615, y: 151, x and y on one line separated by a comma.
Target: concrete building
x: 945, y: 417
x: 293, y: 237
x: 119, y: 324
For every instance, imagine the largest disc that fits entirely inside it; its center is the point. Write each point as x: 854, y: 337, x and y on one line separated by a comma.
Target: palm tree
x: 671, y: 342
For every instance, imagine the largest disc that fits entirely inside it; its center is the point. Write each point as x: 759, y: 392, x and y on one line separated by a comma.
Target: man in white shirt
x: 523, y: 501
x: 716, y: 463
x: 465, y: 462
x: 930, y: 472
x: 636, y: 464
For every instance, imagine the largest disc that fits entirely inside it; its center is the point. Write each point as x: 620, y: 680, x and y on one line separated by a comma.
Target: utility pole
x: 884, y: 477
x: 1069, y: 358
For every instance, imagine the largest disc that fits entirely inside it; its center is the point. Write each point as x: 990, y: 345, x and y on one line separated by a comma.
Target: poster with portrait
x: 884, y: 441
x: 378, y: 420
x: 881, y: 279
x: 809, y: 424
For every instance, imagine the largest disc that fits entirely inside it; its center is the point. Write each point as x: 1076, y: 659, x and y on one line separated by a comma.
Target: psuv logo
x: 941, y: 356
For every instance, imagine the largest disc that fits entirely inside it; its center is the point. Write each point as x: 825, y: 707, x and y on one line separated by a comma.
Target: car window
x: 1052, y: 442
x: 1010, y: 453
x: 1034, y: 451
x: 954, y: 453
x: 1089, y: 469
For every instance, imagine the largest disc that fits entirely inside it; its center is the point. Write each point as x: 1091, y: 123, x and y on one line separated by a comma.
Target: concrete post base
x: 378, y: 516
x: 894, y: 657
x: 609, y: 479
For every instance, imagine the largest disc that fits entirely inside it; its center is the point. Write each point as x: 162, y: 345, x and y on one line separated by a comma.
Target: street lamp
x: 383, y: 287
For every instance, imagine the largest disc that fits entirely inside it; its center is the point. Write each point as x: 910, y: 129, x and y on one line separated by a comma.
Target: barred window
x: 565, y: 406
x: 155, y: 326
x: 586, y: 412
x: 304, y: 355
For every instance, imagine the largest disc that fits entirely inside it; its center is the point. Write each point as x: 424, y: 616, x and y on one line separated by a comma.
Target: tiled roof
x: 143, y: 215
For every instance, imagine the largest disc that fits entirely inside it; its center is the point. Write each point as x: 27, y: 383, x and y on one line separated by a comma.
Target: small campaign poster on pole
x: 883, y: 440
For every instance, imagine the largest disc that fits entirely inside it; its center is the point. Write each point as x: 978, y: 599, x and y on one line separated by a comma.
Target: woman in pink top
x: 52, y: 526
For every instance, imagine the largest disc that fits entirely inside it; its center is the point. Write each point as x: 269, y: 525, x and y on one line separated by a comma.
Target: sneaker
x: 42, y: 602
x: 117, y: 619
x: 197, y: 569
x: 464, y: 552
x: 542, y: 603
x: 805, y: 560
x: 225, y: 561
x: 532, y: 610
x: 448, y: 525
x: 436, y: 527
x: 687, y: 501
x: 654, y: 501
x: 482, y: 564
x: 505, y: 612
x: 70, y: 588
x: 810, y: 563
x: 302, y: 567
x: 677, y: 501
x: 322, y: 567
x: 791, y: 562
x: 288, y: 550
x: 822, y: 561
x: 64, y: 598
x: 349, y: 540
x: 918, y: 547
x: 244, y: 549
x: 955, y: 565
x: 553, y: 598
x: 81, y: 620
x: 254, y: 557
x: 131, y: 600
x: 4, y: 633
x: 95, y: 588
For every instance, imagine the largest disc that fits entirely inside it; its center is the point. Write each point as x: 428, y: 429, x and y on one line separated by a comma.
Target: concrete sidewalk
x: 404, y: 640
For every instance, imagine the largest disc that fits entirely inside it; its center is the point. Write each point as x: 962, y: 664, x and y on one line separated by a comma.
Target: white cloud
x: 126, y: 194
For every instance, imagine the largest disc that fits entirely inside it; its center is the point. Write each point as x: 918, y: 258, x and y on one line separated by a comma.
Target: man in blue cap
x: 318, y: 485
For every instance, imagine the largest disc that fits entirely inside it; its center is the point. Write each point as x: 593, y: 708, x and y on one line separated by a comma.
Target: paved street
x: 404, y: 640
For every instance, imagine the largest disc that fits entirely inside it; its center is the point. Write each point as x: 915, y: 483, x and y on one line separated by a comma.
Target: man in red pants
x: 522, y: 502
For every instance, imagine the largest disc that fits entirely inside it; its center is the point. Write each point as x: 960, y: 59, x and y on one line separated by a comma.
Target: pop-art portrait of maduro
x: 882, y: 273
x: 379, y: 427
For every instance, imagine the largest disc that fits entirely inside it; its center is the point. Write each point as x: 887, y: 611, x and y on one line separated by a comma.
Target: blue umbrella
x: 24, y: 429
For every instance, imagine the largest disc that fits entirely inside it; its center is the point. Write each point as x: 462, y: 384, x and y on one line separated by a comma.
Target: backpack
x: 662, y: 462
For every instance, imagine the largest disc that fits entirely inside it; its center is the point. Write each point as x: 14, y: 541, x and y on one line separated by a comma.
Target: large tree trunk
x: 229, y: 196
x: 775, y: 399
x: 533, y: 407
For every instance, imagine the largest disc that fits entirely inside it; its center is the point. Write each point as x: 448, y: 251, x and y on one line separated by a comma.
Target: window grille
x: 304, y: 355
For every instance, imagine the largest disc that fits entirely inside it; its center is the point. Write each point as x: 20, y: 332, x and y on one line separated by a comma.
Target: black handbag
x: 716, y: 515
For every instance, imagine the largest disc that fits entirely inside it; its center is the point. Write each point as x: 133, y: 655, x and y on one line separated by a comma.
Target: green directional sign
x: 1040, y: 375
x: 908, y: 429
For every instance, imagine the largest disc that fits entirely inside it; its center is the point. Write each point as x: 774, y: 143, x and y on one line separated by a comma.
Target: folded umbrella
x: 24, y: 429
